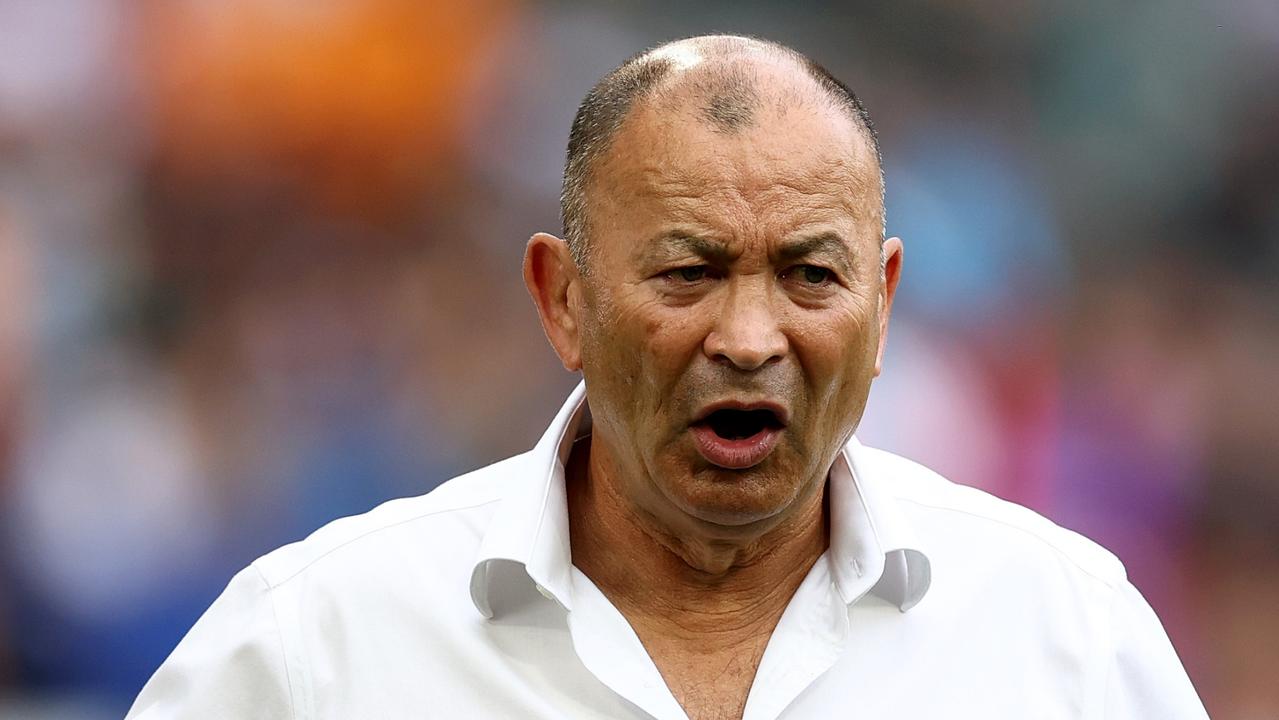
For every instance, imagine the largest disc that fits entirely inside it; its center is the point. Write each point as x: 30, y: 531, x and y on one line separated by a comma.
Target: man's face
x: 732, y: 317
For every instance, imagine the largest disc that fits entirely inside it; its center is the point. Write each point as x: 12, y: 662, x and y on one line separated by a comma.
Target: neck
x: 709, y: 583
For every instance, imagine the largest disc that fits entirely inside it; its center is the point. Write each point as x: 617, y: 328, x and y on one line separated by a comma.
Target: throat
x: 678, y: 581
x: 702, y: 606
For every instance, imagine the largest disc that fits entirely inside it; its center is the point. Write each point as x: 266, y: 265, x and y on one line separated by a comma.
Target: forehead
x: 787, y: 149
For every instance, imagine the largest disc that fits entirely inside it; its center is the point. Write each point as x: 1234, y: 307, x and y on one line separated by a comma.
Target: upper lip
x: 779, y: 411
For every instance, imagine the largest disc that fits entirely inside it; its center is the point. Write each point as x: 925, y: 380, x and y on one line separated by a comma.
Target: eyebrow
x: 829, y: 245
x: 678, y: 243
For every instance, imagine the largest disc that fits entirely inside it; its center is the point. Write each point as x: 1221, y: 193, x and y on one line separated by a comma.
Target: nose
x: 746, y: 335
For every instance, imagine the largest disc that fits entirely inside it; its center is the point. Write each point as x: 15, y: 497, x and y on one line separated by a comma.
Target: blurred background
x: 260, y: 268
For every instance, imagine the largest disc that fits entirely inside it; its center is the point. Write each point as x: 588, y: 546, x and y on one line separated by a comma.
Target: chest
x: 537, y: 667
x: 708, y: 685
x: 989, y: 659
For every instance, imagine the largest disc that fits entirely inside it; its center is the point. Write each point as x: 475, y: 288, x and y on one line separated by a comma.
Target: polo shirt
x: 933, y: 600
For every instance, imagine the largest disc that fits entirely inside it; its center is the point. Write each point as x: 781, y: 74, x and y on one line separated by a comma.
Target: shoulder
x: 448, y: 519
x: 978, y: 524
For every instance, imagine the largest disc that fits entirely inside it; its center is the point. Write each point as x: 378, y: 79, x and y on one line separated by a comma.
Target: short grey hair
x: 731, y: 105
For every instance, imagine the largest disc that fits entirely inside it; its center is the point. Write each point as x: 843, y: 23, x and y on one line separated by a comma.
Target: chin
x: 732, y: 498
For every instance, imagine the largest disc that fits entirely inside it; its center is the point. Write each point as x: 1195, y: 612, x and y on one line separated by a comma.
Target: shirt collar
x: 872, y: 545
x: 870, y: 538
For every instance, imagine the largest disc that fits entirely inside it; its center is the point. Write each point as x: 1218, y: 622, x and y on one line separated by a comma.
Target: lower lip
x: 737, y: 454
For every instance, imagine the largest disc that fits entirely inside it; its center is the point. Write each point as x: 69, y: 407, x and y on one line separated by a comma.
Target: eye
x: 690, y: 274
x: 809, y: 275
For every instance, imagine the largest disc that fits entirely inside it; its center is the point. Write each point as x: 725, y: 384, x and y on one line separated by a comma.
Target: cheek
x: 674, y: 337
x: 642, y: 350
x: 837, y: 354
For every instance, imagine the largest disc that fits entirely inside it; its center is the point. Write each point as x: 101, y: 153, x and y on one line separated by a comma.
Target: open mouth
x: 741, y: 424
x: 736, y: 438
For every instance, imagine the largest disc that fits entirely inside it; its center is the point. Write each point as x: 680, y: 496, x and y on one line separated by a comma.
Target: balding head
x: 726, y: 80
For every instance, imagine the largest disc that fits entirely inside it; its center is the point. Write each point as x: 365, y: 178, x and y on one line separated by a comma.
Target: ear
x: 552, y: 279
x: 892, y: 273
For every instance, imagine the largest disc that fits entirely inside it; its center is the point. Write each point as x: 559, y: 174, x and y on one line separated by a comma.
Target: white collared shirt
x: 933, y: 600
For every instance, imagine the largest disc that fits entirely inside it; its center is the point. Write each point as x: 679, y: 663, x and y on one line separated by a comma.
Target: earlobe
x: 552, y: 280
x: 892, y: 254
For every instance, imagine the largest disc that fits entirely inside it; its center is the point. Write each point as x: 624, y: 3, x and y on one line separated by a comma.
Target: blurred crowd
x: 260, y: 268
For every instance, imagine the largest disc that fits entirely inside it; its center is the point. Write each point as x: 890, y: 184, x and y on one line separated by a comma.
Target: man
x: 697, y: 534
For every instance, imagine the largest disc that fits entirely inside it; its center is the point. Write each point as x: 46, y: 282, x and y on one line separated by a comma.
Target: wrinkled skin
x: 662, y: 327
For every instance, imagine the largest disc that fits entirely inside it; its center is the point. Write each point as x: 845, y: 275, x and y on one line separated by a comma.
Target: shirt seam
x: 1110, y: 583
x: 279, y: 633
x: 363, y: 535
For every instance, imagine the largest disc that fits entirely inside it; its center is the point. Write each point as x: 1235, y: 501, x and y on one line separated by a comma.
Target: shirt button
x: 544, y: 592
